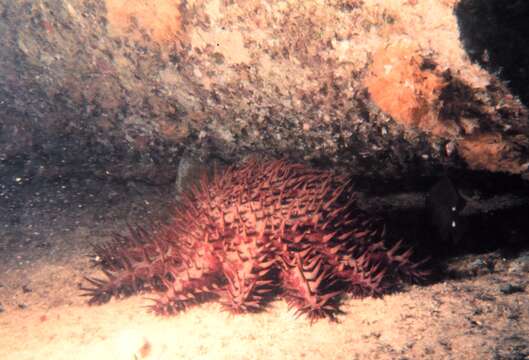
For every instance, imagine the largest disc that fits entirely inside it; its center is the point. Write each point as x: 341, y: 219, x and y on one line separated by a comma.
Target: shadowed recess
x: 495, y: 33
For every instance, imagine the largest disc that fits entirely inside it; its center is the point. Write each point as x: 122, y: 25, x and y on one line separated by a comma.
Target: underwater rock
x: 121, y: 90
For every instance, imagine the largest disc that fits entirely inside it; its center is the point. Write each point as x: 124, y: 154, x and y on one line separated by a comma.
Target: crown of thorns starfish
x: 253, y: 232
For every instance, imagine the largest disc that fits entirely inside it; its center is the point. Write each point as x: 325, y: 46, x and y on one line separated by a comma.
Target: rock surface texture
x: 382, y: 87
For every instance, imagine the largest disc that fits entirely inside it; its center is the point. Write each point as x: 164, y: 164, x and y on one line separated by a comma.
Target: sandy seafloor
x: 45, y: 234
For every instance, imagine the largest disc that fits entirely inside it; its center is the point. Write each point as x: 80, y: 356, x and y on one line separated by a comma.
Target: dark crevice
x: 494, y: 34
